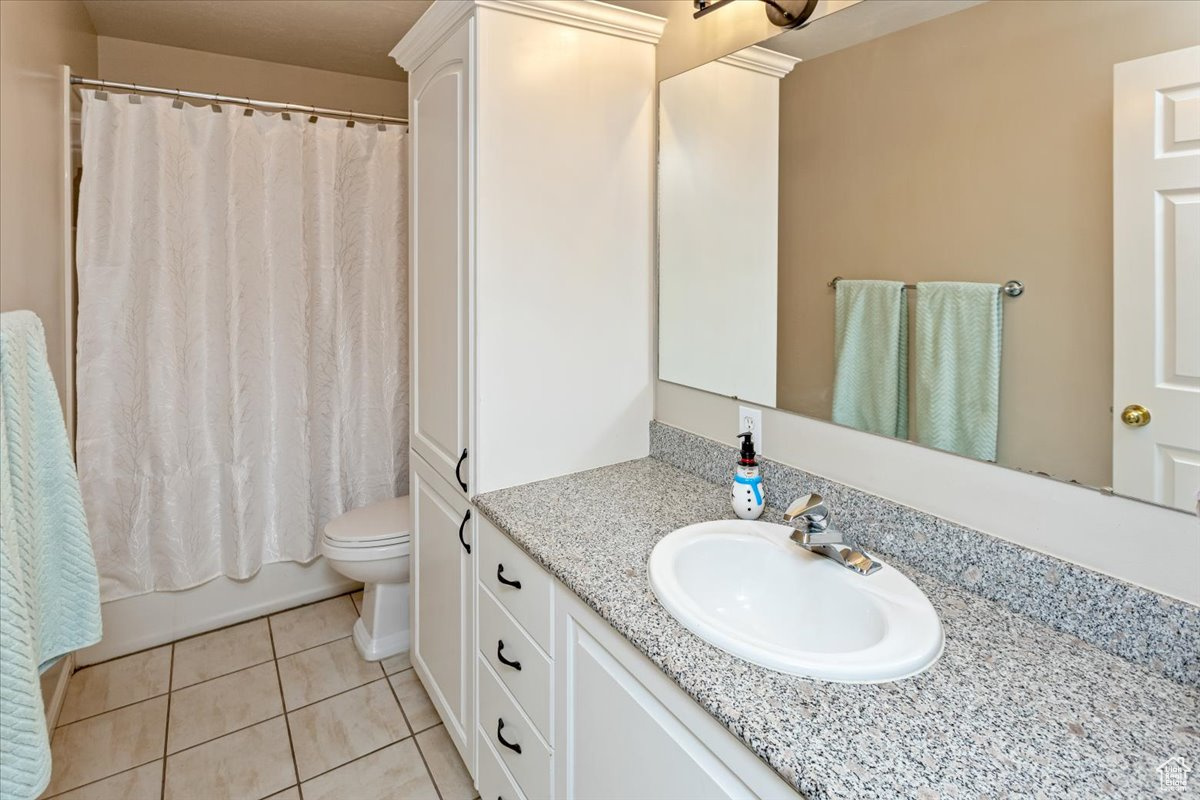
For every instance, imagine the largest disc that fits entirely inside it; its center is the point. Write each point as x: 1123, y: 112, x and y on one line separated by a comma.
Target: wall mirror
x: 925, y: 155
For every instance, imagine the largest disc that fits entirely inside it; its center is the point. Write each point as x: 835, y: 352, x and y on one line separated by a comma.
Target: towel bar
x: 1012, y: 288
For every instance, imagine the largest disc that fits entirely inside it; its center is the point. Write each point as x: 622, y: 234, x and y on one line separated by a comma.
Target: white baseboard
x: 54, y: 689
x: 136, y: 623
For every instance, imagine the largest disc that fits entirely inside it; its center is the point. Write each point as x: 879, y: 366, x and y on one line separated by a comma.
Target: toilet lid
x: 376, y: 525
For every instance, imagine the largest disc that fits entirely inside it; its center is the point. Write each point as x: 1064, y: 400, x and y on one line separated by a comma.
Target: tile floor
x: 280, y: 708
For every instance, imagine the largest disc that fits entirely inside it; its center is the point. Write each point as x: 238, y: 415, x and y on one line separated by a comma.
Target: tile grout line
x: 436, y: 789
x: 287, y: 724
x: 359, y: 758
x: 111, y: 710
x: 97, y: 780
x: 330, y: 697
x: 162, y: 791
x: 223, y: 735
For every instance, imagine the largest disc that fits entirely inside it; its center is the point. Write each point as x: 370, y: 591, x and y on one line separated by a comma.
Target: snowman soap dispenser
x: 748, y: 495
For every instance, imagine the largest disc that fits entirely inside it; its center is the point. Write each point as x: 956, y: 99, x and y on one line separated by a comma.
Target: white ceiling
x: 352, y: 36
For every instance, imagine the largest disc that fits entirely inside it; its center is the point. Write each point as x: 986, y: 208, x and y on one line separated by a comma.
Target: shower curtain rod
x: 238, y: 101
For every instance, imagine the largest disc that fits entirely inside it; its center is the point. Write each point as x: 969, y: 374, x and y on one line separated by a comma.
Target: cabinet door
x: 439, y: 255
x: 443, y: 606
x: 617, y: 741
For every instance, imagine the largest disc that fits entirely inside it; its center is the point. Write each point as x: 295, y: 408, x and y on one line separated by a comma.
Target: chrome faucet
x: 813, y: 534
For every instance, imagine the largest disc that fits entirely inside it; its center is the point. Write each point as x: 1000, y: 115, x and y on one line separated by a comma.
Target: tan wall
x: 974, y: 147
x: 177, y: 67
x: 37, y: 37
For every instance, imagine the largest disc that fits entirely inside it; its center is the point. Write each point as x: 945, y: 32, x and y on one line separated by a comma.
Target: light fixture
x: 782, y: 13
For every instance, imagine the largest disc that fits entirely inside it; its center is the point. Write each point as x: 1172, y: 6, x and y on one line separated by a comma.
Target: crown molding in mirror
x: 445, y: 15
x: 761, y: 60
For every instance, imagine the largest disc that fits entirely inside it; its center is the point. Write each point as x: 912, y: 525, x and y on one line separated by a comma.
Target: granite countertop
x: 1012, y: 708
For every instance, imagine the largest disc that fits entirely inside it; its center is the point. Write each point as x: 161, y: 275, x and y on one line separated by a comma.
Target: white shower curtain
x: 242, y: 335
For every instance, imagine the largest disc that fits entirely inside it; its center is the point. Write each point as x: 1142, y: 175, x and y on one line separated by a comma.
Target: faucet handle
x: 810, y: 509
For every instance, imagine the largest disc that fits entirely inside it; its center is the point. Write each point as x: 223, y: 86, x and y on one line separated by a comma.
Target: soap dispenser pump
x: 748, y: 494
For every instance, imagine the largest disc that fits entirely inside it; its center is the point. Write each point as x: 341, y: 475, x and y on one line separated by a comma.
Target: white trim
x: 761, y: 60
x: 588, y: 15
x: 444, y: 16
x: 439, y: 21
x: 58, y: 695
x: 149, y: 620
x: 67, y: 265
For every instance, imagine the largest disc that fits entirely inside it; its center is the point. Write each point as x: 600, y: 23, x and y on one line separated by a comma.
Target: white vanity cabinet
x: 588, y: 717
x: 530, y: 191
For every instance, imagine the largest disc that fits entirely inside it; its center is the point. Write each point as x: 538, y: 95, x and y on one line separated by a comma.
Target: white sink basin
x: 746, y: 588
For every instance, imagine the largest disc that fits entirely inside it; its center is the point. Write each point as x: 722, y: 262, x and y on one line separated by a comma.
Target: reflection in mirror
x: 927, y: 155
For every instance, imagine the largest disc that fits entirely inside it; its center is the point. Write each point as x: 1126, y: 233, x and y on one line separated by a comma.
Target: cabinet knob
x: 1135, y: 416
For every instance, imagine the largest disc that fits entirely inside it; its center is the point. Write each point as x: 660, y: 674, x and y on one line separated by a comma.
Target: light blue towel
x: 870, y: 384
x: 958, y: 367
x: 49, y: 589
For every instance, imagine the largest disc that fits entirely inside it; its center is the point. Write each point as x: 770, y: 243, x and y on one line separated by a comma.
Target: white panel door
x: 439, y: 291
x: 443, y: 604
x: 1156, y: 276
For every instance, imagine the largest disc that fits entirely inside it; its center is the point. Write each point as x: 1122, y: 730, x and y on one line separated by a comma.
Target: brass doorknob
x: 1135, y: 416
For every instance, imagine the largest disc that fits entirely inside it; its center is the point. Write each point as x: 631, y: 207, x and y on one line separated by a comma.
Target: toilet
x: 372, y: 544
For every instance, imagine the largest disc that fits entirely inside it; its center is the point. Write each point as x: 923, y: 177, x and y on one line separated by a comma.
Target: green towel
x: 958, y: 367
x: 49, y: 590
x: 870, y: 385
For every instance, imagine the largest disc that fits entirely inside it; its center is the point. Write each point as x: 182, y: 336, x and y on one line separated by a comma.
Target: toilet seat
x: 337, y: 551
x: 379, y: 525
x: 383, y: 541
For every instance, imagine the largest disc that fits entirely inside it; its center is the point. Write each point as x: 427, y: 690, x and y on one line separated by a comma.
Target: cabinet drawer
x: 493, y: 780
x: 501, y: 565
x: 500, y: 720
x: 529, y: 680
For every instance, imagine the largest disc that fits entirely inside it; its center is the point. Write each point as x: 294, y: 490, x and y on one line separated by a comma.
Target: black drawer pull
x: 458, y: 468
x: 462, y: 525
x: 500, y: 577
x: 500, y: 655
x: 516, y: 748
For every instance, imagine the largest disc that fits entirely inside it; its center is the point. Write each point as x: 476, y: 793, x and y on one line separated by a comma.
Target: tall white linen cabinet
x: 531, y: 219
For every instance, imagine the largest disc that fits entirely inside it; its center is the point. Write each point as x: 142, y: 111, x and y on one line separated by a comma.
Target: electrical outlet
x: 750, y: 419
